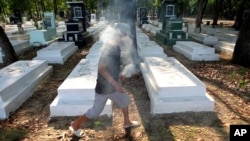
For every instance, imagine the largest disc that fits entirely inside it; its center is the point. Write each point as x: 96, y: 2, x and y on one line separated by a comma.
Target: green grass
x: 12, y: 135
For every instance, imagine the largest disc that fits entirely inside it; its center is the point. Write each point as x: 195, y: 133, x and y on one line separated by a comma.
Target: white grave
x: 148, y: 48
x: 172, y: 88
x: 18, y: 81
x: 76, y: 93
x: 57, y: 52
x: 95, y: 51
x: 19, y: 46
x: 45, y: 36
x: 196, y: 51
x: 204, y: 38
x: 225, y: 47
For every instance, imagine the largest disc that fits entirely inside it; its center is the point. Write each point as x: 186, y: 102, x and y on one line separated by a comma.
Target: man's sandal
x: 78, y: 133
x: 133, y: 124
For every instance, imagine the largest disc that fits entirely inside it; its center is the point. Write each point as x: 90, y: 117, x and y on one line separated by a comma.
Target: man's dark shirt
x: 110, y: 58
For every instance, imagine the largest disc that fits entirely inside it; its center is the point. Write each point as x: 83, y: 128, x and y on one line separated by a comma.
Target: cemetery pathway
x: 228, y: 84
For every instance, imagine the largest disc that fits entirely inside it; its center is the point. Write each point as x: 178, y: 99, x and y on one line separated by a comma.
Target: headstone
x: 76, y: 24
x: 48, y: 34
x: 172, y: 26
x: 143, y: 16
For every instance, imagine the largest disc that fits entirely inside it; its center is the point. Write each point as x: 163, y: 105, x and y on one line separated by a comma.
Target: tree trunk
x: 7, y: 48
x: 55, y: 7
x: 217, y: 9
x: 201, y: 8
x: 239, y: 18
x: 241, y: 55
x: 229, y: 14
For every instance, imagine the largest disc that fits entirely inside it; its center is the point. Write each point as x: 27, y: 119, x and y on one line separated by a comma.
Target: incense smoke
x: 111, y: 37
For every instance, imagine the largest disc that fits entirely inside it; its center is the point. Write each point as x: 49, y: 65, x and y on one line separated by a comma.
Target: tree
x: 241, y: 55
x: 201, y: 8
x: 238, y: 20
x: 7, y: 48
x: 217, y: 8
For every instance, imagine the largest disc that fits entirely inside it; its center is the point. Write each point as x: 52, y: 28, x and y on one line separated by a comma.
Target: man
x: 108, y: 86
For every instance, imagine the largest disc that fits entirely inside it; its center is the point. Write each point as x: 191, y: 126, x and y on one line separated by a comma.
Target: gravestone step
x: 57, y: 52
x: 10, y: 102
x: 75, y: 107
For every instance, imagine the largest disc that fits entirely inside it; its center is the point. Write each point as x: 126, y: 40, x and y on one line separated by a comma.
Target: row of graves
x: 185, y: 93
x: 72, y: 30
x: 181, y: 36
x: 20, y: 79
x: 171, y: 87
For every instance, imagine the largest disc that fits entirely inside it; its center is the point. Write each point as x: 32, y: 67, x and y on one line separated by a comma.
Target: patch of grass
x: 12, y: 135
x: 243, y: 83
x: 97, y: 123
x: 242, y: 71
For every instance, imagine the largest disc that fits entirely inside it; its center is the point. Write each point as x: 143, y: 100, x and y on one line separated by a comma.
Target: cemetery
x: 186, y: 86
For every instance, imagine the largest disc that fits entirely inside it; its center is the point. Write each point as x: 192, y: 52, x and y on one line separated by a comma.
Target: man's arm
x: 103, y: 71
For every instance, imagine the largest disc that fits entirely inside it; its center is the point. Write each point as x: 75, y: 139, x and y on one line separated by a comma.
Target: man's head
x: 123, y: 28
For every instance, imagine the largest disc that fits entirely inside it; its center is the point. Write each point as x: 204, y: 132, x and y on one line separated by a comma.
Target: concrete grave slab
x: 196, y: 51
x: 179, y: 95
x: 148, y: 48
x: 18, y: 82
x: 78, y: 91
x: 225, y: 47
x: 57, y: 52
x: 204, y: 38
x: 163, y: 71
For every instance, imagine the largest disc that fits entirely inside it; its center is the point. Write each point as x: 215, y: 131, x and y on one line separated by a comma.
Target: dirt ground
x: 227, y: 83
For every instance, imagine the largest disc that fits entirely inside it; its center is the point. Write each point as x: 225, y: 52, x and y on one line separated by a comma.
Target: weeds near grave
x: 242, y: 71
x: 233, y: 75
x: 13, y: 135
x: 97, y: 123
x: 242, y: 83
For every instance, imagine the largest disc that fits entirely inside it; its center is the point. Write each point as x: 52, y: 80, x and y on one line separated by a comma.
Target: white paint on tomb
x: 204, y: 38
x: 225, y: 47
x: 196, y: 51
x: 57, y: 52
x: 18, y: 82
x: 172, y: 88
x: 95, y: 50
x: 78, y: 91
x: 148, y: 48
